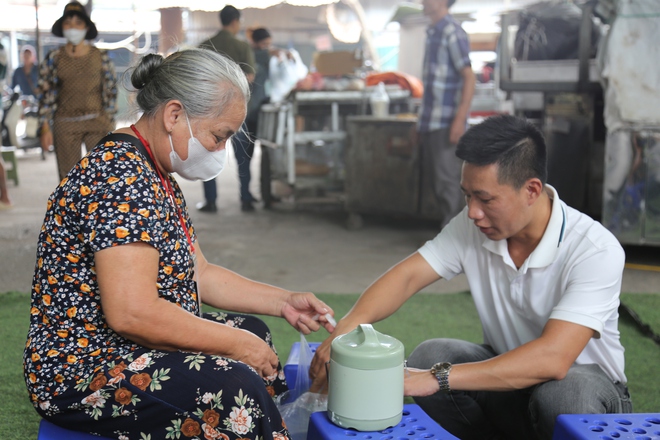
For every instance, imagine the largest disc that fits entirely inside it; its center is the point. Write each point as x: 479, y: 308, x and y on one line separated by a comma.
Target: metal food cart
x: 304, y: 139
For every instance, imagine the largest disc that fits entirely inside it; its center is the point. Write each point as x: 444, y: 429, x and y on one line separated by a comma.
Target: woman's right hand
x: 254, y: 351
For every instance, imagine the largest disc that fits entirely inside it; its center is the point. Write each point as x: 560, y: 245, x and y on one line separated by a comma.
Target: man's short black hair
x: 229, y: 14
x: 450, y: 3
x: 513, y: 143
x: 260, y: 34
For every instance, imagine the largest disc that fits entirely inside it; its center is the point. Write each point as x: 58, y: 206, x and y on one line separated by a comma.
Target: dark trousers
x: 174, y: 394
x: 439, y: 161
x: 527, y: 414
x: 243, y: 143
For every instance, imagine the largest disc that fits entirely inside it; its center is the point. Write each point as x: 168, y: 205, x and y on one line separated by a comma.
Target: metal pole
x: 38, y: 45
x: 584, y: 46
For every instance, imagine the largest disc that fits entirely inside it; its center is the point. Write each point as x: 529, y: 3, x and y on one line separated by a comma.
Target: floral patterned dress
x: 84, y: 376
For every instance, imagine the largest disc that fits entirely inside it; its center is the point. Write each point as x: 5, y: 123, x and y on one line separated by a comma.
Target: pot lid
x: 366, y: 349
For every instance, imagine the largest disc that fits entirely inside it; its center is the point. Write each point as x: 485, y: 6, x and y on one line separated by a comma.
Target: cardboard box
x: 337, y: 62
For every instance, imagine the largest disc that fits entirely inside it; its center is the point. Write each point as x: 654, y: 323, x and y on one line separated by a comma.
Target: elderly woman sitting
x: 118, y: 344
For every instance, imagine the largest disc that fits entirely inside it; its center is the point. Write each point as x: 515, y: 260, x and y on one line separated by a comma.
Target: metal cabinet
x: 575, y: 148
x: 383, y: 170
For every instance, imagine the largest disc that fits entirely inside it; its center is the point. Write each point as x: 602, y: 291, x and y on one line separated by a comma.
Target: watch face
x: 440, y: 366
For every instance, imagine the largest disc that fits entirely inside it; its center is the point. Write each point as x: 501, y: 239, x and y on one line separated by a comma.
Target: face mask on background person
x: 201, y: 163
x: 74, y: 36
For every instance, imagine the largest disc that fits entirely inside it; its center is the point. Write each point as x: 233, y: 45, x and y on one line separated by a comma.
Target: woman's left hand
x: 306, y: 313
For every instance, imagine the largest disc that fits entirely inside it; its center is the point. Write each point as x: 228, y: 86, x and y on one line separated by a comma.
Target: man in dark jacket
x: 226, y: 43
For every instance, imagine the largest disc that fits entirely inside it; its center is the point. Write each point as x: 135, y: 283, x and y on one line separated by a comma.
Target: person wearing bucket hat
x: 78, y: 10
x: 77, y: 90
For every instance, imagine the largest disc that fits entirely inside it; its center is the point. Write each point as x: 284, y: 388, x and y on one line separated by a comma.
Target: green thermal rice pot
x: 365, y: 380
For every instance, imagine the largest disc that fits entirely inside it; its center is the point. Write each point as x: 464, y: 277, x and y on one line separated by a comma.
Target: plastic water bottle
x: 380, y: 102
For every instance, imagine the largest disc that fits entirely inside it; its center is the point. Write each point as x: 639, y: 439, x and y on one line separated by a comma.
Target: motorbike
x: 20, y: 121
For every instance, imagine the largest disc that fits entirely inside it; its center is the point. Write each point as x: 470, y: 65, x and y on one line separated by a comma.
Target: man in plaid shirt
x: 448, y: 89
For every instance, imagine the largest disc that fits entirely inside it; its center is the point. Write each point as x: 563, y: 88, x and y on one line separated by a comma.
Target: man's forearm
x: 467, y: 93
x: 388, y: 293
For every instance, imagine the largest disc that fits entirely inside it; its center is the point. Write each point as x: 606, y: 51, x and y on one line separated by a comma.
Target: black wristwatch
x: 441, y: 372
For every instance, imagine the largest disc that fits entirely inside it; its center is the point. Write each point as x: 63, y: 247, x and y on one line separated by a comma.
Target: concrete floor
x: 294, y: 249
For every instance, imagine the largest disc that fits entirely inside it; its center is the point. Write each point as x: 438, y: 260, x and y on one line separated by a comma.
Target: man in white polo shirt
x: 545, y: 280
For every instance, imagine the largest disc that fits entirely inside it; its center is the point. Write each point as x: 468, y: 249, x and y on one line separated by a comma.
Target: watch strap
x: 441, y: 372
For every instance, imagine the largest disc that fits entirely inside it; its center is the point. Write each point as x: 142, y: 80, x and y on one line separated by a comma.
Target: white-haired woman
x: 118, y: 345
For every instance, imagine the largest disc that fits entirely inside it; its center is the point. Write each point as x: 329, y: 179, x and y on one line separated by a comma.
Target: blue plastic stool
x: 291, y: 366
x: 48, y: 431
x: 415, y: 425
x: 607, y: 427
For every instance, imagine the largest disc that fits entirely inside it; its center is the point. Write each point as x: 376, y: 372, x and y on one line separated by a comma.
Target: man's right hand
x: 317, y: 370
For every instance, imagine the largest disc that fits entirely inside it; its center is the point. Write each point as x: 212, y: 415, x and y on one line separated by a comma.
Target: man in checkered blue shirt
x: 448, y: 89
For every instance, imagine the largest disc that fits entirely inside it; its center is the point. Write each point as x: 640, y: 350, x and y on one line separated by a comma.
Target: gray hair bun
x: 144, y: 72
x: 203, y: 81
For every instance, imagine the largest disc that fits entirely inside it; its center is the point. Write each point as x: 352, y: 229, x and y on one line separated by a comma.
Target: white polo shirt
x: 574, y: 275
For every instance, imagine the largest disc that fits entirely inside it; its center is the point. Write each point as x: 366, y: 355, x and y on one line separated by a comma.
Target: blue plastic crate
x: 640, y: 426
x: 291, y: 366
x: 48, y: 431
x: 415, y: 425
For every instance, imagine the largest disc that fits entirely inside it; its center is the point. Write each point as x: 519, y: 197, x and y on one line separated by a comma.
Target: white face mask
x: 74, y: 36
x: 201, y: 163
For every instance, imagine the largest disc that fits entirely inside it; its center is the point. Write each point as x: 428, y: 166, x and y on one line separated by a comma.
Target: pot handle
x: 370, y: 335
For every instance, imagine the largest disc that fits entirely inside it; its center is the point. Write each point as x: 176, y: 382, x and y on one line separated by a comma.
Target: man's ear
x: 534, y: 188
x: 172, y: 112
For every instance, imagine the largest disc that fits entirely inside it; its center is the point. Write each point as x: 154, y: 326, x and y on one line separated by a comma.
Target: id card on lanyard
x: 177, y: 210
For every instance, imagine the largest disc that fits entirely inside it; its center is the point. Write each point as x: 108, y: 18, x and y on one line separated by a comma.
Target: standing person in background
x: 262, y: 48
x: 278, y: 71
x: 27, y: 76
x: 77, y: 90
x: 448, y: 89
x: 226, y: 43
x: 244, y: 140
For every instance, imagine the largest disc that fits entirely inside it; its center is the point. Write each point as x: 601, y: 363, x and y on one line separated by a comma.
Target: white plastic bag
x: 298, y: 404
x: 285, y: 72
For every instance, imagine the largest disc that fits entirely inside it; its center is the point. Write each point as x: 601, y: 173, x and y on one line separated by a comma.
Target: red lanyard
x: 168, y: 188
